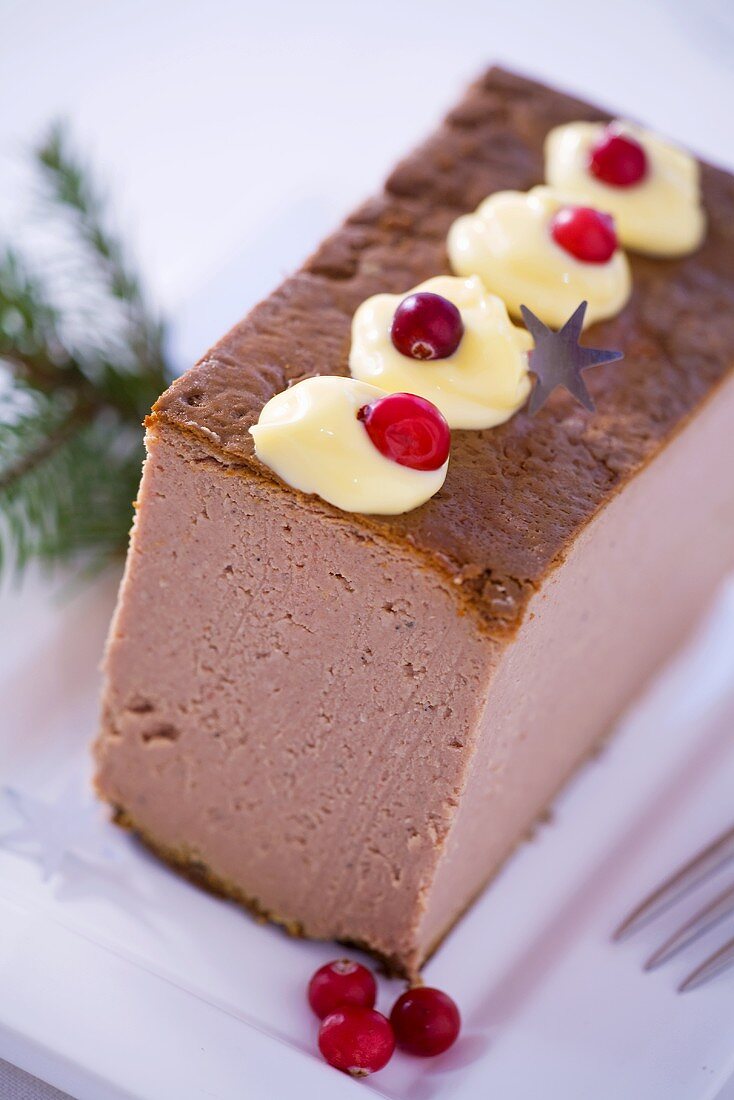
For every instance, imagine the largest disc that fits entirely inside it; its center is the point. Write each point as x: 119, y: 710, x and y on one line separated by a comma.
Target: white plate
x: 118, y: 978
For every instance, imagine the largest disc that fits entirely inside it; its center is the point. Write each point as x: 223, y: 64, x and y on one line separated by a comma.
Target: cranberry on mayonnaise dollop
x: 648, y: 184
x: 353, y: 445
x: 518, y: 244
x: 450, y: 341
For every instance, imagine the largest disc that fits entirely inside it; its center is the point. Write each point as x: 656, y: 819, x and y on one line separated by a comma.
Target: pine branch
x: 34, y: 457
x: 69, y: 187
x: 70, y: 435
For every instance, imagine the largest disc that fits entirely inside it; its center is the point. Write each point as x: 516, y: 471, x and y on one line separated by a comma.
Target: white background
x: 233, y: 136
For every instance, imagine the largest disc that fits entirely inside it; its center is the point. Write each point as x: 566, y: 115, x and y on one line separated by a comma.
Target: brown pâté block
x: 348, y: 722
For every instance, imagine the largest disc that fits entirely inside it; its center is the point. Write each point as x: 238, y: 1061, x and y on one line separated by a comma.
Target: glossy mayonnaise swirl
x: 482, y: 384
x: 508, y: 243
x: 309, y: 435
x: 661, y: 214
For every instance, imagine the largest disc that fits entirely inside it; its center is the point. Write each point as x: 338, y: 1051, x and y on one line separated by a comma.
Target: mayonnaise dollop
x: 508, y: 243
x: 309, y: 435
x: 661, y: 214
x: 481, y: 385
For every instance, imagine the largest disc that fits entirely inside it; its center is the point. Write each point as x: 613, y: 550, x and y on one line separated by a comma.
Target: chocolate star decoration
x: 558, y: 359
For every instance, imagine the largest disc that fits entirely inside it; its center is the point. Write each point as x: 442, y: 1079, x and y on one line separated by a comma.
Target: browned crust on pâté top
x: 515, y: 496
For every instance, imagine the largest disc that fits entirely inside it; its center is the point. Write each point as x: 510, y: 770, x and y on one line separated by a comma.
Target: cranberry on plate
x: 358, y: 1041
x: 425, y: 1021
x: 341, y: 982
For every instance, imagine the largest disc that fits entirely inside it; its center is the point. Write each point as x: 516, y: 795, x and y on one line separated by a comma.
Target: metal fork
x: 697, y: 870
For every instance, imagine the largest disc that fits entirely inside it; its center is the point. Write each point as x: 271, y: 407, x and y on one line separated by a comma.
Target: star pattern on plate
x: 51, y: 833
x: 558, y: 358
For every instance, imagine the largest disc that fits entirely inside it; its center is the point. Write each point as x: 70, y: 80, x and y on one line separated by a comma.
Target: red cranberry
x: 358, y: 1041
x: 408, y: 429
x: 586, y: 233
x: 425, y: 1021
x: 618, y: 160
x: 426, y: 326
x: 341, y: 982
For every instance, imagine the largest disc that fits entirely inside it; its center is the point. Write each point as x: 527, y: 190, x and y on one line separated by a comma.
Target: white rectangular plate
x: 117, y: 978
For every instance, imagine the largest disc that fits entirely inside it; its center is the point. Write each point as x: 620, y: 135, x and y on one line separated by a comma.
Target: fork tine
x: 716, y: 964
x: 703, y: 920
x: 701, y: 867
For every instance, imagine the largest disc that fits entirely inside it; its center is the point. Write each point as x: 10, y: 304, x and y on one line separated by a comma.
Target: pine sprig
x: 70, y: 435
x: 69, y: 187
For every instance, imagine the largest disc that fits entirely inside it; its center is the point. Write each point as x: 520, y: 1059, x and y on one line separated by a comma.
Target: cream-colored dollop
x: 482, y: 384
x: 309, y: 435
x: 662, y: 214
x: 508, y: 243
